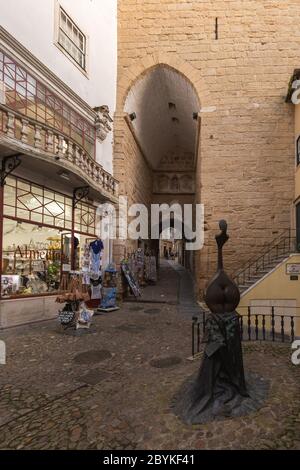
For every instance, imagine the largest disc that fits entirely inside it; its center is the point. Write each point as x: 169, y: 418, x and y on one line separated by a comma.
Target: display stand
x: 150, y: 269
x: 75, y: 313
x: 109, y: 290
x: 92, y: 260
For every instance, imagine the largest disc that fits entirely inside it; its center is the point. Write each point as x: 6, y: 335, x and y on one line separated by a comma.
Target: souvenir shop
x: 49, y: 244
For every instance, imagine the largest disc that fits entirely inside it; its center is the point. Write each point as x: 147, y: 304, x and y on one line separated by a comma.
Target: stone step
x: 267, y: 268
x: 256, y: 277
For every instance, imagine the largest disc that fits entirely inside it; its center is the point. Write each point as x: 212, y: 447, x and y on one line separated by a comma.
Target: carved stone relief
x: 173, y: 183
x: 102, y: 122
x: 180, y: 161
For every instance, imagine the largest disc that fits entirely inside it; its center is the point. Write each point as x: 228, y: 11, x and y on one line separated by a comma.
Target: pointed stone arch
x: 130, y: 75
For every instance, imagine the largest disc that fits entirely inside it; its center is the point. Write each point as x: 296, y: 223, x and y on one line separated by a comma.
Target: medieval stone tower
x: 201, y: 115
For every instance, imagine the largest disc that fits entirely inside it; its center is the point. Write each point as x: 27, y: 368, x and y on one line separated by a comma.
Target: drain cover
x: 165, y: 362
x: 92, y: 357
x: 131, y: 328
x: 152, y: 311
x: 94, y: 377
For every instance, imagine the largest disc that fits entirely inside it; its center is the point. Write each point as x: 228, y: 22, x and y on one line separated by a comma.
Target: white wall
x: 32, y: 22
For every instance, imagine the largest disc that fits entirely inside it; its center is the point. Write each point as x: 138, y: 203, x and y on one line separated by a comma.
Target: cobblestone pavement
x: 52, y: 398
x: 167, y: 289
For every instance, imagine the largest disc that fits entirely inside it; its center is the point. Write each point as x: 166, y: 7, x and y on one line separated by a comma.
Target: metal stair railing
x: 281, y: 246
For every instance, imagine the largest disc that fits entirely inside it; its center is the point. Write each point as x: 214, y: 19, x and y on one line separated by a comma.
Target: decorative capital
x: 102, y: 122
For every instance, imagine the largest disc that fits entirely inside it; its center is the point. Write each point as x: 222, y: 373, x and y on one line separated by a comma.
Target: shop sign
x: 293, y: 268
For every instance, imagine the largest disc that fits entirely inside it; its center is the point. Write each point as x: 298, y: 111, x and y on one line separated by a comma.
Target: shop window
x: 71, y: 39
x: 38, y: 248
x: 31, y: 259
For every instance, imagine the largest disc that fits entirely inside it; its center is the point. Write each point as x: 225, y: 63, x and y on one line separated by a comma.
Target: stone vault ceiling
x: 164, y: 102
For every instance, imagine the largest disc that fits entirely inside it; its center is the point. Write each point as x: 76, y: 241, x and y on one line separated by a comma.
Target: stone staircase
x: 274, y: 254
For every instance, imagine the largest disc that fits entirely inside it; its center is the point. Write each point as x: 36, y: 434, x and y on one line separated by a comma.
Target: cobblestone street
x: 109, y: 389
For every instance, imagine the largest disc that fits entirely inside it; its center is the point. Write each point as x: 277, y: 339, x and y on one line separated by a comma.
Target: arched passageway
x: 160, y: 154
x: 163, y: 107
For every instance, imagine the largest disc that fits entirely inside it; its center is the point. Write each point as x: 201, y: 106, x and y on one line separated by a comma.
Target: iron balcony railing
x: 254, y: 326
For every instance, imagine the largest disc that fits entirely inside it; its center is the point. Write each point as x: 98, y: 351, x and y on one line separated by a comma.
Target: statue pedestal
x: 186, y: 406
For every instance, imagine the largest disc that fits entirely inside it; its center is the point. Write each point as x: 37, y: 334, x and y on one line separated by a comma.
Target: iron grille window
x: 71, y: 39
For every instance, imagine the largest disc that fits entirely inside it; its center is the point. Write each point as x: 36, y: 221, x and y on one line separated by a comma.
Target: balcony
x: 37, y: 123
x: 33, y: 138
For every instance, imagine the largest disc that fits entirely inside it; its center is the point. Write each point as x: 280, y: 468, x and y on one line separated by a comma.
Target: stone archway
x: 130, y: 75
x: 134, y: 164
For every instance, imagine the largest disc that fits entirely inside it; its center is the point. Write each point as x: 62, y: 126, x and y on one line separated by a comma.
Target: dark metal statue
x: 220, y: 389
x: 222, y: 294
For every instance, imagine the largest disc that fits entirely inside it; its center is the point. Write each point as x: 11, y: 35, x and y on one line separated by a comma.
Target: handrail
x: 260, y: 260
x: 279, y: 238
x: 43, y: 125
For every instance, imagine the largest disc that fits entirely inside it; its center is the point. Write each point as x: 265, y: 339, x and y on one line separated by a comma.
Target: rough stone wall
x: 133, y: 173
x: 246, y: 161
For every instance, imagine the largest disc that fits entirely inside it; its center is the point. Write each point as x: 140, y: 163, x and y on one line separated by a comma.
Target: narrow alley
x: 113, y: 387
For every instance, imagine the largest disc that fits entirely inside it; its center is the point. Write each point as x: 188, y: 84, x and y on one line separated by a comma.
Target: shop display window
x: 38, y: 249
x: 31, y: 259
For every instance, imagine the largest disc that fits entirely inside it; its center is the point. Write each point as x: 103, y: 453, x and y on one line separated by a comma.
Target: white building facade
x: 58, y: 71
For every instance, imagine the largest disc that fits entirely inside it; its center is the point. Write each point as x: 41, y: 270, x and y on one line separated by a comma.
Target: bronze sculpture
x: 219, y: 390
